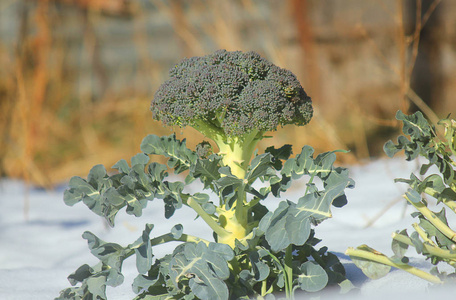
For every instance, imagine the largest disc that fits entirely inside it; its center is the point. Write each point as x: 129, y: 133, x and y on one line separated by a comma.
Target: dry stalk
x: 415, y: 38
x: 182, y: 26
x: 404, y: 71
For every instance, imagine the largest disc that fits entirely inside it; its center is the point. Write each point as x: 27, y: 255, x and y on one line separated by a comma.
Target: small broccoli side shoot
x: 233, y: 98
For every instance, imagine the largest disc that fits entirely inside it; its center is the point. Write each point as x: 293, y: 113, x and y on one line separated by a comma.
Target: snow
x: 40, y: 249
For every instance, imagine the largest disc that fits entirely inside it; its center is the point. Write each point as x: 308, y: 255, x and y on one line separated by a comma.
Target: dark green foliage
x: 211, y: 271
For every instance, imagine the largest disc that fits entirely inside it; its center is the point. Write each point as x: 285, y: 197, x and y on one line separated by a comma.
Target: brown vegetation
x: 77, y: 77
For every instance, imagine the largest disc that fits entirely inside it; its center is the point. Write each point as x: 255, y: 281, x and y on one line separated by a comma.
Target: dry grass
x: 53, y: 126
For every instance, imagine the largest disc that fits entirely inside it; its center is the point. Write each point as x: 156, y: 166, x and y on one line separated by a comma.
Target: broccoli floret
x: 233, y: 98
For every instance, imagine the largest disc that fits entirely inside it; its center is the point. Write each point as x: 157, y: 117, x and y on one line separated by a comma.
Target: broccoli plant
x: 234, y: 99
x: 433, y: 237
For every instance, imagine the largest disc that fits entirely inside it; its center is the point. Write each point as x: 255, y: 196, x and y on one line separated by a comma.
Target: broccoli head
x: 232, y: 98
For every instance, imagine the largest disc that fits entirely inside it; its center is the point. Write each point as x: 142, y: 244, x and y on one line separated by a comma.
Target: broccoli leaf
x: 143, y: 250
x: 260, y: 166
x: 205, y: 268
x: 290, y: 222
x: 282, y: 153
x: 207, y: 170
x: 260, y: 269
x: 322, y: 167
x: 422, y: 142
x: 371, y: 269
x: 313, y: 277
x: 105, y: 195
x: 180, y: 157
x: 399, y: 248
x: 110, y: 254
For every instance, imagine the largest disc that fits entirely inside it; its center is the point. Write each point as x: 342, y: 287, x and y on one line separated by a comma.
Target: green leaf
x: 96, y: 175
x: 74, y: 293
x: 142, y: 282
x: 139, y: 159
x: 290, y: 222
x: 177, y: 231
x: 180, y: 157
x: 172, y: 197
x: 207, y: 170
x: 312, y: 277
x: 391, y: 149
x: 154, y: 284
x: 371, y: 269
x: 80, y: 274
x: 110, y: 254
x: 93, y: 283
x: 143, y: 250
x: 106, y: 195
x: 135, y: 202
x: 201, y: 198
x: 227, y: 186
x: 299, y: 165
x: 247, y: 279
x: 283, y: 153
x: 78, y: 190
x: 417, y: 243
x: 414, y: 125
x: 260, y: 269
x: 413, y: 196
x: 228, y: 180
x: 205, y: 269
x: 273, y: 225
x: 346, y: 286
x: 420, y: 133
x: 96, y: 286
x: 398, y: 247
x: 260, y: 166
x: 432, y: 231
x: 321, y: 167
x: 122, y: 166
x: 223, y: 250
x: 95, y: 279
x: 423, y: 142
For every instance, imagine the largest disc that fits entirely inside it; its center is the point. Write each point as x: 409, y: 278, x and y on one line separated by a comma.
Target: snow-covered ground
x: 37, y: 253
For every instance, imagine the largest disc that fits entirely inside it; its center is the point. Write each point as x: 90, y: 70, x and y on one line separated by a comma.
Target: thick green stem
x: 431, y: 217
x: 382, y: 259
x: 231, y: 224
x: 237, y: 151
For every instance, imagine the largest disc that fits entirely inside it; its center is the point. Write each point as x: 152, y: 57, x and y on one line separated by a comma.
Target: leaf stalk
x: 219, y: 230
x: 382, y: 259
x: 431, y: 217
x: 429, y: 248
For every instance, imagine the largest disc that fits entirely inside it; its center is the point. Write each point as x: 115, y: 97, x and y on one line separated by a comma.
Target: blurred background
x: 77, y: 76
